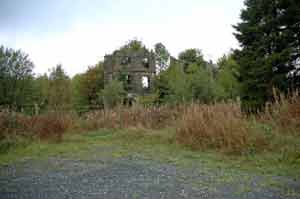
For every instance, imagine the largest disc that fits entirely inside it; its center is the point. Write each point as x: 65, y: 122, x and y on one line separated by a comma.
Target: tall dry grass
x: 283, y: 114
x: 136, y: 116
x: 220, y: 127
x: 225, y: 128
x: 51, y: 125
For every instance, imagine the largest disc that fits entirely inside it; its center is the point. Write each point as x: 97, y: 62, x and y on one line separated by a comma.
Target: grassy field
x: 158, y: 145
x: 216, y: 135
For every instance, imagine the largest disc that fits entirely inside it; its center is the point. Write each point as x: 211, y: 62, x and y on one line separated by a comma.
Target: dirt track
x: 133, y: 177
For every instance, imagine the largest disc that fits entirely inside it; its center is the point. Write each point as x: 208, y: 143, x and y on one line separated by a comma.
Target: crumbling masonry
x: 136, y: 67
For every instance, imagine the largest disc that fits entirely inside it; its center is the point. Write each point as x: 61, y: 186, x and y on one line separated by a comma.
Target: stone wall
x: 133, y: 65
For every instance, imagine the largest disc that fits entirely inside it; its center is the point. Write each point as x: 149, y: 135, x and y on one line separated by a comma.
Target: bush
x: 50, y: 125
x: 113, y: 94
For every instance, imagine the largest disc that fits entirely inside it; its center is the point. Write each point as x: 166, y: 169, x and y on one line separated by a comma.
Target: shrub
x: 50, y: 125
x: 113, y: 94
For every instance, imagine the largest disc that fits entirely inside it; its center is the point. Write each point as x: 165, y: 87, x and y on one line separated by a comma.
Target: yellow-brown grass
x: 284, y: 114
x: 50, y: 125
x: 220, y: 126
x: 225, y: 128
x: 136, y: 116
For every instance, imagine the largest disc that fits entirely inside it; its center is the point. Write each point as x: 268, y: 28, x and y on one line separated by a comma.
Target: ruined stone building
x: 135, y: 66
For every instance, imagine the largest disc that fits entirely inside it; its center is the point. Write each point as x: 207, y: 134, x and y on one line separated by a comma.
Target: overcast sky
x: 78, y: 33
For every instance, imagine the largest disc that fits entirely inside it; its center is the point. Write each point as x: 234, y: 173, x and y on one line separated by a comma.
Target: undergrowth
x: 220, y: 127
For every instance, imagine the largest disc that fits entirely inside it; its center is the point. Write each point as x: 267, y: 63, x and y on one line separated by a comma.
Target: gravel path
x: 133, y: 177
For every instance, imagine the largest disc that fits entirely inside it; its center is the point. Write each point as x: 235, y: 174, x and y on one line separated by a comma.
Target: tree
x: 41, y: 94
x: 269, y: 35
x: 16, y: 79
x: 133, y: 46
x: 201, y: 84
x: 79, y: 100
x: 162, y: 56
x: 178, y: 86
x: 86, y: 86
x: 92, y: 83
x: 162, y: 87
x: 113, y: 94
x: 228, y: 78
x: 59, y: 89
x: 191, y: 56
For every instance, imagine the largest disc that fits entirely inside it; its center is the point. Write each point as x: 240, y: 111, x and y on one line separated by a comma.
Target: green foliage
x: 59, y: 89
x: 122, y: 77
x: 228, y: 78
x: 16, y: 79
x: 85, y: 88
x: 132, y: 46
x: 202, y: 85
x: 79, y: 101
x: 269, y: 35
x: 41, y: 94
x: 171, y: 85
x: 191, y: 56
x: 178, y: 86
x: 112, y: 94
x: 188, y: 79
x: 162, y: 56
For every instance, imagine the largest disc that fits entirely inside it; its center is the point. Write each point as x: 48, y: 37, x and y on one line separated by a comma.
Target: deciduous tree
x: 162, y: 56
x: 16, y: 79
x: 59, y: 89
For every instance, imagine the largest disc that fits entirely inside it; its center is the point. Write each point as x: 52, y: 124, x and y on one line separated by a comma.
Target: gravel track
x: 133, y: 177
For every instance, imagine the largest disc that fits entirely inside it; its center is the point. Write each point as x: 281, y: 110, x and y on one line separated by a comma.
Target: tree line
x: 268, y: 59
x: 188, y: 78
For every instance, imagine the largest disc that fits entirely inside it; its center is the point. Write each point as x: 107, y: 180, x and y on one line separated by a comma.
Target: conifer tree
x: 269, y: 35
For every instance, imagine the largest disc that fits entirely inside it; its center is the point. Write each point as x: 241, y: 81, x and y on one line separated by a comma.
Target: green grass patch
x: 153, y: 145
